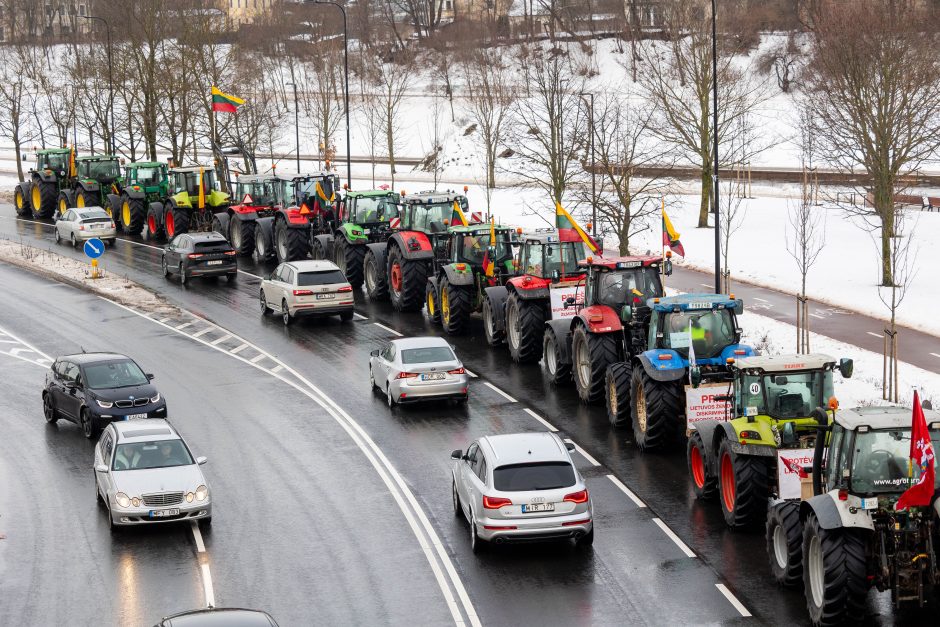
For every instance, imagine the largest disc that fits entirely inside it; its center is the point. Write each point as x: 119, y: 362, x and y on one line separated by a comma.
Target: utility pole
x: 715, y: 145
x: 593, y: 166
x: 296, y: 124
x: 113, y: 147
x: 346, y: 80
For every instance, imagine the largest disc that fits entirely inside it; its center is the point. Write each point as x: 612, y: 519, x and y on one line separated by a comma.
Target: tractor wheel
x: 405, y: 280
x: 431, y: 303
x: 175, y: 220
x: 617, y: 389
x: 704, y: 483
x: 834, y: 574
x: 133, y: 215
x: 84, y: 199
x: 290, y: 244
x: 241, y: 235
x: 264, y: 239
x: 316, y: 250
x: 785, y: 543
x: 524, y: 329
x: 559, y: 371
x: 373, y: 274
x: 43, y: 198
x: 455, y: 307
x: 21, y: 200
x: 591, y: 353
x: 655, y: 410
x: 155, y: 215
x: 63, y: 203
x: 744, y: 485
x: 350, y: 260
x: 221, y: 223
x: 494, y: 336
x: 114, y: 210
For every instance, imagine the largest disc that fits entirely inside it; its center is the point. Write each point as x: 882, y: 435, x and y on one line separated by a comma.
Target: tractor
x: 311, y: 211
x: 844, y: 535
x: 455, y: 289
x: 516, y: 312
x: 193, y: 198
x: 399, y: 267
x: 650, y: 385
x: 602, y: 323
x: 53, y: 172
x: 257, y: 196
x: 743, y: 455
x: 144, y: 182
x: 97, y: 179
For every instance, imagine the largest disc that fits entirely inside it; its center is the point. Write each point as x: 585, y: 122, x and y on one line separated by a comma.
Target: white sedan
x: 418, y: 369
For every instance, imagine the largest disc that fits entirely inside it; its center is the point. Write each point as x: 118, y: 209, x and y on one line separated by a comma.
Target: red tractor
x: 257, y: 196
x: 311, y: 211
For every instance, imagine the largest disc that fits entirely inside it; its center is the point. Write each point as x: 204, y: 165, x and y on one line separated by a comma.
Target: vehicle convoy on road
x: 741, y: 457
x: 144, y: 182
x: 193, y: 199
x: 145, y: 474
x: 415, y: 369
x: 521, y: 487
x: 199, y: 255
x: 94, y: 389
x: 97, y: 179
x: 399, y: 267
x: 307, y: 287
x: 846, y: 535
x: 79, y: 225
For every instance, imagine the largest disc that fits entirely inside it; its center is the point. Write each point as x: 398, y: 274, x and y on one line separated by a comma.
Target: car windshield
x: 473, y: 246
x: 158, y: 454
x: 543, y: 259
x: 373, y: 209
x: 429, y: 355
x: 712, y: 331
x: 525, y: 477
x: 147, y: 177
x: 880, y: 461
x: 790, y: 395
x: 102, y: 170
x: 115, y: 374
x: 323, y: 277
x: 55, y: 161
x: 622, y: 287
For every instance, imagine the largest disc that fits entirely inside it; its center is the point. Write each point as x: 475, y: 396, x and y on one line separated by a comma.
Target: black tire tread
x: 430, y: 292
x: 247, y: 227
x: 48, y: 197
x: 458, y: 300
x: 562, y: 374
x: 602, y: 348
x: 846, y: 583
x: 531, y: 325
x: 786, y: 514
x: 617, y: 387
x: 494, y: 336
x: 664, y: 414
x: 751, y: 488
x: 380, y: 290
x: 297, y: 245
x: 138, y: 215
x: 413, y: 277
x: 355, y: 258
x: 709, y: 489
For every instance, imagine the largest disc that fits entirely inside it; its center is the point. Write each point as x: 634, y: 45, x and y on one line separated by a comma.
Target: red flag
x: 922, y: 455
x: 794, y: 467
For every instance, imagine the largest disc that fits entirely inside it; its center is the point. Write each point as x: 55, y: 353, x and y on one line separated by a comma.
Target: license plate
x: 136, y: 416
x: 164, y: 513
x: 434, y: 376
x: 538, y: 507
x: 367, y: 231
x: 870, y: 502
x: 325, y: 296
x: 214, y: 263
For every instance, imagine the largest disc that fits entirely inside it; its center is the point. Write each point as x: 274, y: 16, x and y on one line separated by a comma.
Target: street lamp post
x: 110, y: 77
x: 346, y: 79
x: 296, y: 124
x: 715, y: 145
x: 593, y: 165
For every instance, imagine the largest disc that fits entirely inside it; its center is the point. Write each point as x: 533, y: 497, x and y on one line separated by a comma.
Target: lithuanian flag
x: 225, y: 102
x: 457, y: 214
x: 670, y: 236
x: 489, y: 266
x: 570, y: 231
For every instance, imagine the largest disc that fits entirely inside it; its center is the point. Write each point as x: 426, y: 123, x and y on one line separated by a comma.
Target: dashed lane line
x: 672, y: 536
x: 184, y: 325
x: 584, y: 453
x: 935, y: 355
x: 392, y: 331
x: 500, y: 392
x: 818, y: 316
x: 359, y: 316
x: 207, y: 586
x: 238, y: 349
x: 633, y: 497
x: 203, y: 332
x: 547, y: 424
x: 763, y: 300
x: 277, y: 368
x: 197, y: 536
x: 874, y: 334
x: 706, y: 285
x: 221, y: 339
x: 722, y: 588
x: 257, y: 358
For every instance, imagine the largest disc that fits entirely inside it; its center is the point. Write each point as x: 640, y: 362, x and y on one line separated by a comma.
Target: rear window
x: 95, y: 216
x: 427, y: 355
x: 324, y: 277
x: 525, y: 477
x: 211, y: 247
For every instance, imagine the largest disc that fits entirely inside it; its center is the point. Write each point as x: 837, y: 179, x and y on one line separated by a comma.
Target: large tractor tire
x: 114, y: 210
x: 455, y: 308
x: 155, y: 215
x: 559, y: 371
x: 317, y: 250
x: 264, y: 240
x: 617, y: 393
x: 431, y: 303
x: 133, y: 214
x: 375, y: 277
x: 63, y: 203
x: 525, y: 321
x: 241, y: 235
x: 655, y: 411
x: 744, y: 486
x: 85, y: 199
x: 704, y: 482
x: 406, y: 279
x: 350, y: 260
x: 175, y: 220
x: 220, y: 224
x: 290, y: 244
x: 785, y: 543
x: 21, y: 200
x: 494, y: 336
x: 591, y: 353
x: 834, y: 574
x: 42, y: 196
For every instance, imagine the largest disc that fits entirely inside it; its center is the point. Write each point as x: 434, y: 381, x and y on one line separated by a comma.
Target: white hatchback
x: 84, y: 223
x: 305, y: 288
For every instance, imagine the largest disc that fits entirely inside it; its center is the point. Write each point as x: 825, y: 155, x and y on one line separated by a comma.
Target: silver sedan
x: 418, y: 369
x: 84, y: 223
x: 146, y: 474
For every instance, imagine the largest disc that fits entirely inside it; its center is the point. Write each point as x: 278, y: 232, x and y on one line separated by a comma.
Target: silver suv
x: 521, y: 487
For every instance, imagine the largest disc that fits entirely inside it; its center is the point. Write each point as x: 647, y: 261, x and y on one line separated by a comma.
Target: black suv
x: 93, y: 389
x: 199, y: 254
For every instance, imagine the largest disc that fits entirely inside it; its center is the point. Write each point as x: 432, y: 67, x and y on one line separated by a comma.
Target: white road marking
x: 935, y: 355
x: 672, y: 536
x: 163, y: 320
x: 633, y: 497
x: 722, y: 588
x: 197, y: 536
x: 238, y: 349
x: 8, y: 342
x: 221, y: 339
x: 547, y: 424
x: 207, y: 586
x: 818, y: 316
x: 761, y: 299
x: 500, y: 392
x: 467, y: 370
x: 277, y: 368
x: 382, y: 326
x: 257, y: 358
x: 26, y: 344
x: 184, y: 325
x: 203, y: 332
x: 358, y: 316
x: 874, y: 334
x: 706, y: 285
x: 584, y: 454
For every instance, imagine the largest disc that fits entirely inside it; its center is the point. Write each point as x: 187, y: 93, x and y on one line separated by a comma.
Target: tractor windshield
x: 622, y: 287
x: 189, y: 182
x: 256, y: 193
x: 474, y: 245
x: 104, y: 170
x: 148, y: 177
x: 57, y: 161
x: 432, y: 218
x: 543, y: 259
x: 711, y: 331
x: 371, y: 209
x: 880, y: 461
x: 790, y: 395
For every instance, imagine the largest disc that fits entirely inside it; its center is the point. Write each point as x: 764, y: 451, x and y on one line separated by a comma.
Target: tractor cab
x: 705, y: 322
x: 431, y: 212
x: 543, y: 256
x: 624, y: 284
x: 316, y: 190
x: 102, y: 169
x: 471, y: 245
x: 54, y: 159
x: 260, y: 190
x: 370, y: 209
x: 187, y: 180
x: 150, y: 176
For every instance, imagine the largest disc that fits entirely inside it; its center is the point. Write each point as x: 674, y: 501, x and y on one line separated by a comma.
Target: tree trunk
x: 705, y: 207
x: 491, y: 170
x: 390, y: 139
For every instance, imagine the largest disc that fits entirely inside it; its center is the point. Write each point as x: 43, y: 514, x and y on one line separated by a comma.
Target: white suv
x: 304, y: 288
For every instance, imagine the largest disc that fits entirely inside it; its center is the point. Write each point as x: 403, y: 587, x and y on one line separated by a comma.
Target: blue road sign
x: 94, y: 248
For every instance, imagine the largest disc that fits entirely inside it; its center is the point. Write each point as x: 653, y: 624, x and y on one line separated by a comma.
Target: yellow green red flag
x: 458, y: 214
x: 570, y: 231
x: 226, y: 103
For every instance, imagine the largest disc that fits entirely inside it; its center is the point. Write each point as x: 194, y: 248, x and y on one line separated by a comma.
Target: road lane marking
x: 26, y: 344
x: 203, y: 332
x: 672, y: 536
x: 818, y: 316
x: 547, y: 424
x: 184, y: 325
x: 207, y: 586
x: 163, y: 320
x: 197, y: 536
x: 221, y: 339
x: 238, y: 349
x: 706, y: 285
x: 935, y: 355
x: 633, y: 497
x: 467, y: 370
x: 584, y: 453
x: 257, y: 358
x: 722, y: 588
x: 500, y: 392
x: 761, y: 299
x: 382, y: 326
x: 359, y: 316
x: 277, y: 368
x: 874, y: 334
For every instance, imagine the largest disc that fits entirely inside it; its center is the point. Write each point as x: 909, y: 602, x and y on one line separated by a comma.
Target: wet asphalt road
x: 260, y: 433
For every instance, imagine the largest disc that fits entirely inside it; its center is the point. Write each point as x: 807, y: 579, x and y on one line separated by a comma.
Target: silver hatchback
x: 84, y: 223
x: 418, y: 369
x: 521, y: 487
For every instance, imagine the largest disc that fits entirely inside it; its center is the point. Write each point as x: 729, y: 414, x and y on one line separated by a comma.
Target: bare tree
x: 902, y: 261
x: 732, y: 213
x: 490, y: 99
x: 391, y: 80
x: 784, y: 59
x: 434, y: 153
x: 14, y: 103
x: 871, y: 83
x: 371, y: 123
x: 326, y: 101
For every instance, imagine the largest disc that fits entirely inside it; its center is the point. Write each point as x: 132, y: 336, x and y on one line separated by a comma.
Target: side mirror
x: 723, y: 398
x: 626, y: 314
x: 101, y: 468
x: 738, y: 307
x: 667, y: 267
x: 149, y: 377
x: 456, y: 454
x: 569, y: 302
x: 569, y: 446
x: 202, y: 460
x: 821, y: 417
x: 374, y: 353
x: 695, y: 376
x: 556, y: 276
x: 846, y: 367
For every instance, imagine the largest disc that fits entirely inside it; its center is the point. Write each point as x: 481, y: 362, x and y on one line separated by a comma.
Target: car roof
x: 92, y: 358
x: 784, y: 363
x: 881, y: 417
x: 83, y: 211
x: 521, y: 448
x: 424, y: 341
x: 220, y: 617
x: 313, y: 265
x: 147, y: 430
x: 206, y: 236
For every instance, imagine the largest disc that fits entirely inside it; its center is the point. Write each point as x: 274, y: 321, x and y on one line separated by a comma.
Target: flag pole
x: 662, y: 244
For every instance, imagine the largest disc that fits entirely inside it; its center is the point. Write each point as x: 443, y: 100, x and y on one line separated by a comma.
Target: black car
x: 219, y: 617
x: 199, y: 254
x: 93, y: 389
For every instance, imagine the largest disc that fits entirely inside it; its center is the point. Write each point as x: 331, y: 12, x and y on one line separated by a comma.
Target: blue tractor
x: 649, y: 390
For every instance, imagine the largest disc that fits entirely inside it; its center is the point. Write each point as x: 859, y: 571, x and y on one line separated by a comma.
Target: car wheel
x: 72, y: 239
x: 58, y: 236
x: 388, y: 396
x: 183, y: 277
x: 164, y: 267
x: 263, y: 302
x: 458, y: 511
x: 371, y: 379
x: 476, y: 544
x: 285, y: 313
x: 88, y: 425
x: 111, y: 526
x: 98, y: 500
x: 49, y: 410
x: 587, y: 540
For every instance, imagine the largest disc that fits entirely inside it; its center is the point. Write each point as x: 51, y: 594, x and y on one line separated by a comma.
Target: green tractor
x: 54, y: 171
x: 746, y: 460
x: 96, y: 178
x: 144, y: 182
x: 193, y: 198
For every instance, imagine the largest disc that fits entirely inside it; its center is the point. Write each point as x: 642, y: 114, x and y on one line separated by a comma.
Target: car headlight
x: 105, y: 404
x: 189, y: 497
x: 155, y: 399
x: 202, y: 493
x: 122, y: 499
x: 135, y: 502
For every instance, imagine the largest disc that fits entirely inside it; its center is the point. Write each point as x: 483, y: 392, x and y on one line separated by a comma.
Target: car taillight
x: 112, y: 225
x: 231, y: 253
x: 195, y: 255
x: 456, y: 371
x: 495, y: 502
x: 81, y: 227
x: 302, y: 293
x: 407, y: 375
x: 577, y: 497
x: 347, y: 288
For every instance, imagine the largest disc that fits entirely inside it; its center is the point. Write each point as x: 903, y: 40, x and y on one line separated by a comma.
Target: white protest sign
x: 558, y: 295
x: 700, y: 403
x: 788, y: 481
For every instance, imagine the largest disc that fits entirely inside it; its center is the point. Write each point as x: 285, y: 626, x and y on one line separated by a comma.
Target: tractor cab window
x: 369, y: 209
x: 880, y: 461
x: 58, y: 162
x: 431, y: 218
x: 301, y: 190
x: 561, y: 256
x: 147, y: 177
x: 791, y: 395
x: 710, y: 330
x: 100, y: 170
x: 628, y: 287
x: 474, y: 245
x: 836, y: 460
x: 189, y: 182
